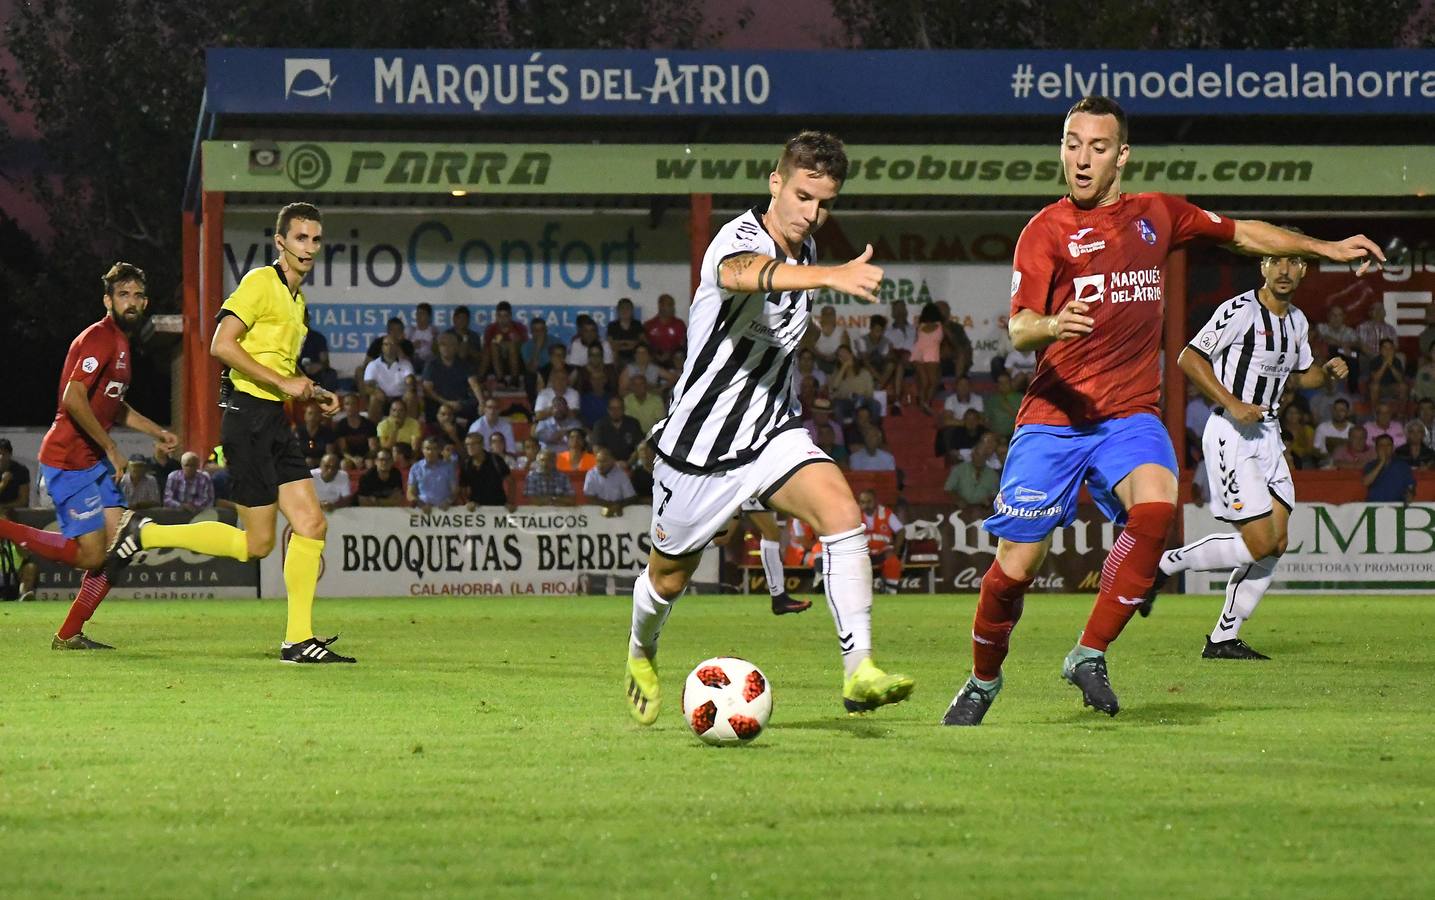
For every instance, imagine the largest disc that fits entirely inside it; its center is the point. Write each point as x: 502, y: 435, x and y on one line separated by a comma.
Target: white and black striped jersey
x: 737, y: 388
x: 1253, y: 350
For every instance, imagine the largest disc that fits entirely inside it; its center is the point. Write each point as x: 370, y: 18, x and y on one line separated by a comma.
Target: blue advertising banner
x: 821, y: 82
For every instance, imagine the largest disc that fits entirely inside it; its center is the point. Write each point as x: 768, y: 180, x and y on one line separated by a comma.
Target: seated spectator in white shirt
x: 607, y: 485
x: 552, y: 432
x: 387, y: 378
x: 557, y: 387
x: 1021, y: 365
x: 422, y: 334
x: 961, y: 400
x: 331, y: 483
x: 1331, y: 435
x: 491, y: 423
x: 587, y: 343
x: 870, y: 457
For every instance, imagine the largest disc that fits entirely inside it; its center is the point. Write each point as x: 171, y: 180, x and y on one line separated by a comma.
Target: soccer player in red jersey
x: 1086, y: 293
x: 78, y: 457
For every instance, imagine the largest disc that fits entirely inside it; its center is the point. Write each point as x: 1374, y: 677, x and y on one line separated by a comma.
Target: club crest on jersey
x: 1147, y: 230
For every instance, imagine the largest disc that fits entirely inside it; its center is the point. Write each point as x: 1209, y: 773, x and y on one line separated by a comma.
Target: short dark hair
x: 504, y: 306
x: 295, y: 211
x: 393, y: 320
x: 539, y: 320
x: 462, y: 309
x: 121, y: 271
x: 1340, y: 400
x: 878, y: 320
x: 814, y: 151
x: 1096, y: 105
x: 1383, y: 437
x: 622, y: 300
x: 424, y: 307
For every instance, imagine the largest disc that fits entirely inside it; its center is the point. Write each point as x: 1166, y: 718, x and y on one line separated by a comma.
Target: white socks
x: 847, y: 581
x: 771, y: 552
x: 650, y: 611
x: 1212, y: 552
x: 1244, y: 591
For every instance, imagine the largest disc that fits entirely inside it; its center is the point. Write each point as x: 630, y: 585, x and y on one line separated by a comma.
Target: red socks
x: 93, y: 589
x: 998, y: 610
x: 1128, y: 572
x: 49, y: 544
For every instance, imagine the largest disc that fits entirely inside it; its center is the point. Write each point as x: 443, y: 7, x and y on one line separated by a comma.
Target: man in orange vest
x: 884, y: 539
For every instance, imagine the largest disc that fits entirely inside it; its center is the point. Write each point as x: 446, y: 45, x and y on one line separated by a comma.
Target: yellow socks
x: 209, y: 538
x: 301, y: 574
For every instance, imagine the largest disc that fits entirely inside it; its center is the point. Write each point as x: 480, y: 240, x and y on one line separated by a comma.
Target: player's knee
x: 668, y: 584
x: 90, y: 558
x: 314, y: 526
x: 1263, y: 545
x: 259, y: 545
x: 843, y: 516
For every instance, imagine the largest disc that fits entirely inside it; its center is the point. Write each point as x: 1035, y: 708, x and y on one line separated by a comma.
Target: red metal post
x: 699, y: 222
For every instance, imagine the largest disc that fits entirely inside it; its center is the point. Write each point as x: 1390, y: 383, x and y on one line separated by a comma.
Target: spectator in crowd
x: 871, y: 457
x: 404, y: 458
x: 450, y: 382
x: 1425, y: 415
x: 446, y: 429
x: 423, y: 335
x: 955, y: 444
x: 1299, y: 438
x: 557, y: 359
x: 576, y: 456
x: 1384, y: 423
x: 528, y: 453
x: 314, y: 435
x: 956, y: 348
x: 640, y: 364
x: 314, y: 358
x: 433, y: 480
x: 1355, y: 452
x: 189, y: 489
x: 483, y: 476
x: 18, y: 572
x: 588, y: 344
x: 503, y: 341
x: 807, y: 366
x: 824, y: 340
x: 593, y: 391
x: 219, y: 478
x: 807, y: 394
x: 665, y: 332
x: 534, y: 353
x: 902, y: 335
x: 607, y: 485
x: 546, y: 485
x: 1322, y: 401
x: 618, y: 431
x: 1416, y: 449
x: 1020, y: 365
x: 625, y: 333
x: 558, y: 386
x: 1371, y: 332
x: 642, y: 405
x: 355, y: 437
x: 331, y: 483
x: 138, y: 486
x: 927, y: 355
x: 885, y: 537
x: 1388, y: 479
x: 955, y: 407
x: 388, y: 378
x: 1331, y: 434
x: 862, y: 419
x: 1423, y: 384
x: 1340, y: 340
x: 14, y: 479
x: 875, y: 351
x: 382, y: 485
x: 470, y: 342
x: 974, y: 482
x: 827, y: 436
x: 641, y: 473
x: 161, y: 464
x: 672, y: 373
x: 852, y: 384
x: 1002, y: 406
x: 398, y: 427
x: 552, y: 432
x: 491, y: 423
x: 404, y: 348
x: 498, y: 448
x: 1387, y: 375
x: 822, y: 418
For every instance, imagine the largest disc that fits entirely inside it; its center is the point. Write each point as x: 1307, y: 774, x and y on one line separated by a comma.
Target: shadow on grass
x: 1149, y: 714
x: 857, y: 727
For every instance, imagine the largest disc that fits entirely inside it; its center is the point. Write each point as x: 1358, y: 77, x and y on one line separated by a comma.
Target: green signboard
x: 377, y: 168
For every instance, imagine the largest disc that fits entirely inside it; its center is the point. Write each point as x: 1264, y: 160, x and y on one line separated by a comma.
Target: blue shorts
x: 81, y: 496
x: 1047, y: 464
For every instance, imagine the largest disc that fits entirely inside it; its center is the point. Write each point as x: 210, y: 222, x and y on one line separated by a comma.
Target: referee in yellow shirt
x: 261, y: 328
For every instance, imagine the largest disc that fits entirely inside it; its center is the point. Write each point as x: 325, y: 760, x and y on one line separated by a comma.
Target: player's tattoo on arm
x: 736, y: 266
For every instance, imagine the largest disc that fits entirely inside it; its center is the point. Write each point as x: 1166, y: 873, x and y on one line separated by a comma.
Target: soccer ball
x: 727, y: 701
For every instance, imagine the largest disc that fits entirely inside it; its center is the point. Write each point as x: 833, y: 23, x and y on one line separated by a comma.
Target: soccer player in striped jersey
x: 1087, y: 295
x: 734, y: 429
x: 1241, y: 361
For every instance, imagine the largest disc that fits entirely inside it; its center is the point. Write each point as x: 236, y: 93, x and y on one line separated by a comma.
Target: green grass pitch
x: 481, y: 748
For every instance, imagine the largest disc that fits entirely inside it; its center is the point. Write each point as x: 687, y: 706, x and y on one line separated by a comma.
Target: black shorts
x: 260, y: 449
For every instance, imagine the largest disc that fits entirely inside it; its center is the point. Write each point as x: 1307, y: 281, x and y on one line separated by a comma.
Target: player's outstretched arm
x: 755, y: 273
x: 1198, y: 369
x: 1334, y: 370
x: 1257, y: 238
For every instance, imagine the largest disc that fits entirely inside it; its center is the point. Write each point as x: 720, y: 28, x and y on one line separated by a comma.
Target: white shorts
x: 1247, y: 469
x: 689, y: 509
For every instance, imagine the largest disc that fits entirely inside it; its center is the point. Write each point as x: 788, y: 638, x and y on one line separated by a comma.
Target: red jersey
x: 665, y: 337
x: 1112, y: 258
x: 514, y: 332
x: 100, y: 360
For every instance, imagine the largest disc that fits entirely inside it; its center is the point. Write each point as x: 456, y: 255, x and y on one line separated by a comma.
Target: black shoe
x: 1089, y: 675
x: 1235, y: 648
x: 1156, y: 587
x: 126, y: 544
x: 970, y: 705
x: 783, y: 604
x: 78, y: 642
x: 311, y: 651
